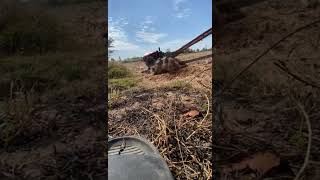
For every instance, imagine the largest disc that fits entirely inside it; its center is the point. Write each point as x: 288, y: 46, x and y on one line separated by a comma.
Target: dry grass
x: 257, y: 113
x: 155, y: 109
x: 18, y: 117
x: 184, y: 142
x: 52, y: 104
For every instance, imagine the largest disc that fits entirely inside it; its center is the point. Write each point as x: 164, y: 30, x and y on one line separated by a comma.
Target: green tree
x: 110, y: 46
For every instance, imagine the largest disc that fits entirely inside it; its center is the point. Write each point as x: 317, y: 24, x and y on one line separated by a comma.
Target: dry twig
x: 286, y: 70
x: 306, y: 159
x: 266, y: 52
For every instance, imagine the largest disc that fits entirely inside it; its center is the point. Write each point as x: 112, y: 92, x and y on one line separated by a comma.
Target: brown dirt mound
x: 198, y: 74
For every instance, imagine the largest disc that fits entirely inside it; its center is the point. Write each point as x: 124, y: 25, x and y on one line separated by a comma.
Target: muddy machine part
x: 159, y: 62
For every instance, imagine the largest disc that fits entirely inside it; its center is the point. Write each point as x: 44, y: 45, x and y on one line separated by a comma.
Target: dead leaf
x: 259, y: 162
x: 192, y: 113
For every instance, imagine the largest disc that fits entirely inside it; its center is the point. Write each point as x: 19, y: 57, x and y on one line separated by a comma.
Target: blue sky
x: 141, y: 26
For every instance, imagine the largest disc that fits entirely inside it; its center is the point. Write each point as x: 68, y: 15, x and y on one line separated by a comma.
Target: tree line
x: 109, y: 44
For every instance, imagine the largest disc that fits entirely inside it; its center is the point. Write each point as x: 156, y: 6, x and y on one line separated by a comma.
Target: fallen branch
x: 208, y: 110
x: 179, y: 146
x: 266, y: 52
x: 286, y: 70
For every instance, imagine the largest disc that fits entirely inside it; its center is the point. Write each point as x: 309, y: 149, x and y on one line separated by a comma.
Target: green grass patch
x: 122, y: 83
x: 116, y: 70
x: 119, y: 77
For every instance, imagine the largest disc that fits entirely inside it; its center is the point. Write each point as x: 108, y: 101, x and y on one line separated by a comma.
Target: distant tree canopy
x: 110, y: 46
x: 189, y: 50
x: 204, y: 49
x: 133, y: 59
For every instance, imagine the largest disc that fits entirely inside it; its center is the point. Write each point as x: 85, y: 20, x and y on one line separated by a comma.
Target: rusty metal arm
x: 195, y: 40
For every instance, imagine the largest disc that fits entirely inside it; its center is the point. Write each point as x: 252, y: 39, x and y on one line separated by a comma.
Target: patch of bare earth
x: 198, y: 73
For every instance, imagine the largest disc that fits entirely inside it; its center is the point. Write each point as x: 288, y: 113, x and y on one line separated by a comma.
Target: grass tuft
x: 116, y: 70
x: 123, y: 83
x: 179, y: 84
